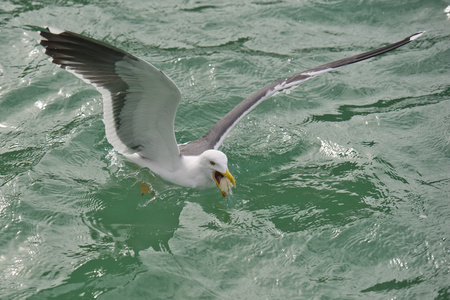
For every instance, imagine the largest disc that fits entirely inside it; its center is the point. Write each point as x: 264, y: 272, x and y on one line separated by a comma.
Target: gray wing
x: 139, y: 101
x: 215, y: 136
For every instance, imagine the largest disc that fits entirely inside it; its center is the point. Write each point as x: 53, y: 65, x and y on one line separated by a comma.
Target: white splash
x: 39, y: 104
x: 332, y: 149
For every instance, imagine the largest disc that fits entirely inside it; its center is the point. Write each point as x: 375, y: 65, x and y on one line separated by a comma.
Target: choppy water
x: 343, y: 184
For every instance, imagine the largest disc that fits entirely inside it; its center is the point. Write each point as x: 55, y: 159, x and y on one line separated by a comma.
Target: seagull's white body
x: 192, y: 171
x: 140, y: 103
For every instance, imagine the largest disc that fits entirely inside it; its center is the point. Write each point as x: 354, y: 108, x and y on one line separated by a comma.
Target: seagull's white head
x: 215, y: 162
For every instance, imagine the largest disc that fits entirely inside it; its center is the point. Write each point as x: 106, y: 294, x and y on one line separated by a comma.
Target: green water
x: 343, y: 185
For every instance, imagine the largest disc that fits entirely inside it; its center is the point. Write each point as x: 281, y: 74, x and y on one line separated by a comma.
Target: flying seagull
x: 140, y: 103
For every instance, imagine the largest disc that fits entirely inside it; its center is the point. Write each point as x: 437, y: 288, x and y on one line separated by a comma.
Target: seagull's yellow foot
x: 144, y: 189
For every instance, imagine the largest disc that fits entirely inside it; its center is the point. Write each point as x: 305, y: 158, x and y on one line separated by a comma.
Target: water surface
x: 343, y: 183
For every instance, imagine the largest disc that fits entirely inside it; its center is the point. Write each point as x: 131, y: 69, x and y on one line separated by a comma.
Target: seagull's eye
x: 212, y: 163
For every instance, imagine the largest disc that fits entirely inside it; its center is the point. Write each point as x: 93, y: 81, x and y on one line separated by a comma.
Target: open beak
x: 224, y: 181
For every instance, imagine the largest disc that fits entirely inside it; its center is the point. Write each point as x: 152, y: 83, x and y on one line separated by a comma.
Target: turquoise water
x: 343, y: 185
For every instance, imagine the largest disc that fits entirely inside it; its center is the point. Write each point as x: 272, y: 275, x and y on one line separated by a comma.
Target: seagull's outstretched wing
x: 215, y: 136
x: 139, y: 101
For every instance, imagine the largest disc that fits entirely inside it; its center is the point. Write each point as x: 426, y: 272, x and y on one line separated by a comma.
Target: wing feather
x: 139, y: 100
x: 215, y: 136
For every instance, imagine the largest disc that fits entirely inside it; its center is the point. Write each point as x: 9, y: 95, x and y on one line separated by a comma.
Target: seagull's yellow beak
x: 224, y: 181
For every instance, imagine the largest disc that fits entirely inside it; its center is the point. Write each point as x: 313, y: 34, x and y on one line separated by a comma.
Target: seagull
x: 140, y: 103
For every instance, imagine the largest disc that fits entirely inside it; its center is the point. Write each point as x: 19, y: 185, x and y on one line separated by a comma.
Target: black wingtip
x: 47, y: 33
